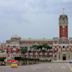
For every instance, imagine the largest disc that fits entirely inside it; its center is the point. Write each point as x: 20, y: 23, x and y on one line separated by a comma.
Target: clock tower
x: 63, y: 26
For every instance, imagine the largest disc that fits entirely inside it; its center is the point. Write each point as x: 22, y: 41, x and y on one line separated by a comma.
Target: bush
x: 2, y: 58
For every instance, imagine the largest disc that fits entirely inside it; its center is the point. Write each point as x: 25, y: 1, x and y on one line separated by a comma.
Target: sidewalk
x: 61, y: 61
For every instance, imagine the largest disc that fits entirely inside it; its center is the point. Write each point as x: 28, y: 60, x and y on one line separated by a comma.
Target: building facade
x: 61, y: 46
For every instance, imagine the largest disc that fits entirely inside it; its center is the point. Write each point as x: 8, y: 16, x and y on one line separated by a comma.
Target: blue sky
x: 32, y: 18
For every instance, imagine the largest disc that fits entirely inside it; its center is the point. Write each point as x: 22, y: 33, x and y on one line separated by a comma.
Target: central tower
x: 63, y: 26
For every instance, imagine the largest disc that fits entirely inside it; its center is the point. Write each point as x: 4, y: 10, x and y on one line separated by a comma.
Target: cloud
x: 32, y: 17
x: 32, y: 5
x: 67, y: 1
x: 25, y: 4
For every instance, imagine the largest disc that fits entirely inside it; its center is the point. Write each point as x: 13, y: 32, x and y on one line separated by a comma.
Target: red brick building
x: 61, y: 46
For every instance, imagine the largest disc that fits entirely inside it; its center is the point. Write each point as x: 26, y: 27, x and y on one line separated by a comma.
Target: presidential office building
x: 61, y: 46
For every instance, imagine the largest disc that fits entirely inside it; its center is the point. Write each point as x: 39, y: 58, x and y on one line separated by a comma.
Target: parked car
x: 2, y: 63
x: 14, y: 65
x: 70, y: 61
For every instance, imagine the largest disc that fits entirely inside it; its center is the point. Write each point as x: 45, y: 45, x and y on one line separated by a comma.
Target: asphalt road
x: 45, y: 67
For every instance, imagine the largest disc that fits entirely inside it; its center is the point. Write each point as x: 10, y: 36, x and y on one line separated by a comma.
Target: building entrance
x: 64, y: 57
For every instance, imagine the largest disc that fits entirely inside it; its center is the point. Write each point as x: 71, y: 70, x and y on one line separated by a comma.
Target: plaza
x: 44, y: 67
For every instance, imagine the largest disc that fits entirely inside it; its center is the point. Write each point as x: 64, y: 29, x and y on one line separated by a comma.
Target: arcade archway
x: 64, y: 57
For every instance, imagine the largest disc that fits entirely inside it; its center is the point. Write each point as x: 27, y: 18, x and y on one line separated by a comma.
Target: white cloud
x: 25, y: 3
x: 31, y: 14
x: 67, y: 1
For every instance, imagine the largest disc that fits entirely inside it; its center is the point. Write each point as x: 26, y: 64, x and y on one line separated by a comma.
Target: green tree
x: 24, y: 50
x: 2, y: 58
x: 49, y: 47
x: 37, y: 47
x: 41, y: 47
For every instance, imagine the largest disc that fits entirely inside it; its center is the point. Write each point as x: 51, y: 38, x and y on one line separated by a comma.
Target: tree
x: 43, y: 47
x: 37, y: 47
x: 2, y: 58
x: 24, y: 50
x: 49, y: 47
x: 19, y: 58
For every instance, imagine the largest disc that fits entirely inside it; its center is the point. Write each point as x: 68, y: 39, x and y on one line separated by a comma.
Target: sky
x: 36, y: 19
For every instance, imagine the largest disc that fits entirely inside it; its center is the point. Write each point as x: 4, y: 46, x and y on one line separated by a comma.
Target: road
x: 45, y: 67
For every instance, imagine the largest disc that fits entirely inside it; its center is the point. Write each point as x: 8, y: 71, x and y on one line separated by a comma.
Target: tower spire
x: 63, y: 11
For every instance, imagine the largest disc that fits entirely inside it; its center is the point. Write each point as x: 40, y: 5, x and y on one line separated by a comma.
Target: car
x: 70, y: 62
x: 14, y: 65
x: 2, y: 64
